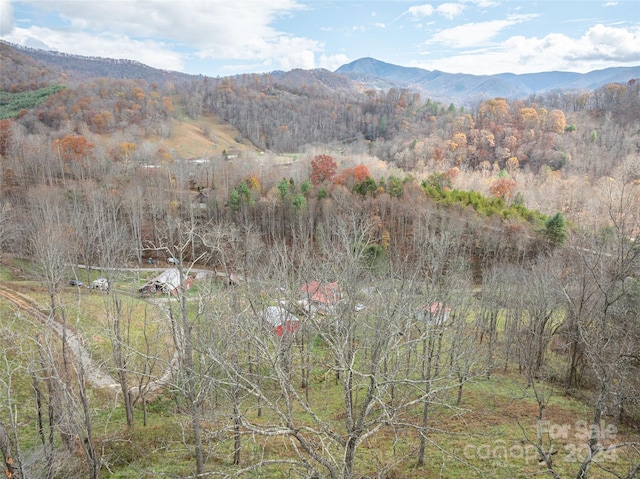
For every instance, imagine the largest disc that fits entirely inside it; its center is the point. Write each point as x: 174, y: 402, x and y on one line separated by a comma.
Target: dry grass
x: 204, y: 137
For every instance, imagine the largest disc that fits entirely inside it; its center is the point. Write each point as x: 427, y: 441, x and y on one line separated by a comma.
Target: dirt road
x: 94, y: 373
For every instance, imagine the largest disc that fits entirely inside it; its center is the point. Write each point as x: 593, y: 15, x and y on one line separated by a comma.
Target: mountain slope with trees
x: 61, y: 67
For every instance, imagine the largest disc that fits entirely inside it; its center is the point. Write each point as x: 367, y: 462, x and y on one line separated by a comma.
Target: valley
x: 313, y: 274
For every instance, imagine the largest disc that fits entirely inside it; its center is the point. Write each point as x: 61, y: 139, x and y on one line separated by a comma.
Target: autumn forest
x: 290, y: 275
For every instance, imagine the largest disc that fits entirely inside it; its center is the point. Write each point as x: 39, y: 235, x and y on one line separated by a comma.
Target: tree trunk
x: 492, y: 343
x: 197, y: 436
x: 12, y: 468
x: 592, y: 450
x: 120, y: 360
x: 236, y: 427
x: 46, y: 440
x: 191, y: 392
x: 428, y: 351
x: 90, y: 451
x: 575, y: 353
x: 349, y: 458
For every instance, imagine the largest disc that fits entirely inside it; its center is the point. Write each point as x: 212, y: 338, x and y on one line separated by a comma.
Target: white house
x: 166, y: 282
x: 101, y: 284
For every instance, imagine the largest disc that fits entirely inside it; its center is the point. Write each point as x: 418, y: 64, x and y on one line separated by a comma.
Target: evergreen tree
x: 556, y: 229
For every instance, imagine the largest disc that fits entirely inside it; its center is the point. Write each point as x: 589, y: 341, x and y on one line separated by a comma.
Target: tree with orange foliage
x: 167, y: 106
x: 6, y: 136
x: 344, y: 177
x: 164, y: 156
x: 362, y: 182
x: 11, y: 466
x: 452, y: 173
x: 438, y: 155
x: 124, y: 151
x: 556, y: 121
x: 459, y: 140
x: 98, y: 124
x: 253, y: 183
x: 512, y: 164
x: 502, y: 188
x: 74, y: 148
x: 361, y: 173
x: 529, y: 118
x: 323, y: 168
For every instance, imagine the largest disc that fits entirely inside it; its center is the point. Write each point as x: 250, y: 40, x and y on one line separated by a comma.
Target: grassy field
x: 204, y: 138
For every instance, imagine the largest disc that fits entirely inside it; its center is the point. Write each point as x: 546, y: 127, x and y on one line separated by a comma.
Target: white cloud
x: 473, y: 34
x: 450, y: 10
x: 599, y: 47
x: 6, y: 17
x: 149, y: 52
x: 220, y: 30
x: 302, y: 59
x: 282, y: 53
x: 333, y: 62
x: 192, y: 22
x: 483, y: 3
x: 419, y: 11
x: 611, y: 43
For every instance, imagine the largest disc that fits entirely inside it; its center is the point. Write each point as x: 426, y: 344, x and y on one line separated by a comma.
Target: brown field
x: 204, y: 137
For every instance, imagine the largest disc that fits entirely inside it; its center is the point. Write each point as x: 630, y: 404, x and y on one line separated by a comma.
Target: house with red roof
x: 320, y: 297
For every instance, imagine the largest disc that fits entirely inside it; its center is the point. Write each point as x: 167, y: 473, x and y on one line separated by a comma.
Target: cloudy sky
x: 226, y: 37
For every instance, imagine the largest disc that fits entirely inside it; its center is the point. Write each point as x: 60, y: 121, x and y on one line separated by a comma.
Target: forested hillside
x: 343, y: 282
x: 22, y: 67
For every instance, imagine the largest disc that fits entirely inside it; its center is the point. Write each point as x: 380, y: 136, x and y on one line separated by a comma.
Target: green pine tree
x: 556, y: 229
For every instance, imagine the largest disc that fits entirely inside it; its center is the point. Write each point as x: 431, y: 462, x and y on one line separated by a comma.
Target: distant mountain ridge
x: 81, y: 67
x: 464, y: 88
x: 23, y: 64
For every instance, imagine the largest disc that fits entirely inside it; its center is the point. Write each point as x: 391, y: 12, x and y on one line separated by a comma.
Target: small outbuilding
x: 101, y: 284
x: 281, y: 320
x: 167, y: 282
x: 203, y: 197
x: 435, y: 313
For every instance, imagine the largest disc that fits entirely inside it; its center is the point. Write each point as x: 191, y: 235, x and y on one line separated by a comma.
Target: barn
x: 281, y: 320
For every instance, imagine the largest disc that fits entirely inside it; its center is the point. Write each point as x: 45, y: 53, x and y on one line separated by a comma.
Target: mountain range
x: 463, y: 88
x: 359, y: 75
